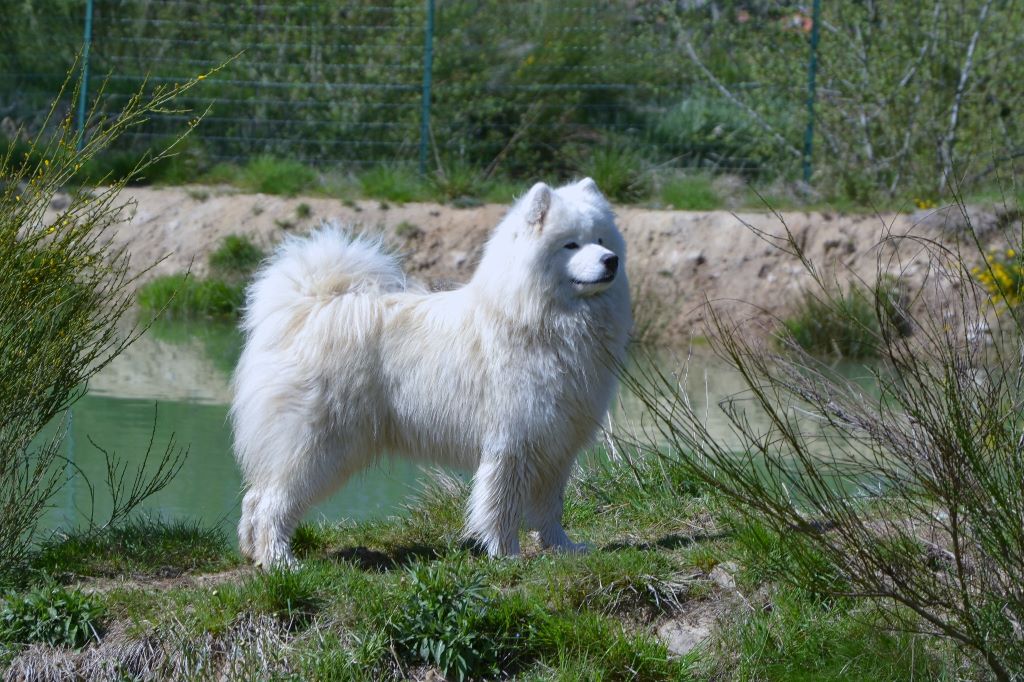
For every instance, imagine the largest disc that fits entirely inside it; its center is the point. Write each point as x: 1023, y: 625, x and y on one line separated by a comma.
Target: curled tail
x: 306, y: 272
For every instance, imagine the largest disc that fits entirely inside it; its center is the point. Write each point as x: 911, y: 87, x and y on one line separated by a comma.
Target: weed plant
x: 442, y: 622
x: 52, y: 615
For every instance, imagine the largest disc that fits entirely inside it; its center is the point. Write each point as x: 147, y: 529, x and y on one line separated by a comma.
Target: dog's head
x: 563, y: 240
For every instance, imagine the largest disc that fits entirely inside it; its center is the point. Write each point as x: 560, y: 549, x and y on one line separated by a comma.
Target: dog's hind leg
x: 276, y: 516
x: 496, y: 501
x: 246, y: 525
x: 284, y: 498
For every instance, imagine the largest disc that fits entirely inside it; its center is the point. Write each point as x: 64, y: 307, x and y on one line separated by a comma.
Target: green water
x: 180, y: 374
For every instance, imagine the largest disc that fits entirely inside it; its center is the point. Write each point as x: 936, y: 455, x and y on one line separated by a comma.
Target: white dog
x: 510, y: 374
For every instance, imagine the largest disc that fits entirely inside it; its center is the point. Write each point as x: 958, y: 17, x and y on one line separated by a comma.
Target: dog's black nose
x: 610, y: 262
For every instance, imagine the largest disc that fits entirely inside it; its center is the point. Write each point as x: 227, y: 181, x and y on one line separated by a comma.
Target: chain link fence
x: 909, y: 95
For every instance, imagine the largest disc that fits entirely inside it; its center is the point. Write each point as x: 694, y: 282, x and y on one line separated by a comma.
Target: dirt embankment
x: 676, y: 258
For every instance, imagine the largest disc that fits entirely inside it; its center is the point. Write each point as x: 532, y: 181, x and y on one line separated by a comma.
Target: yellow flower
x: 1011, y: 253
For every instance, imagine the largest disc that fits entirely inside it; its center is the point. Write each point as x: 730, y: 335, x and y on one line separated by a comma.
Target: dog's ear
x: 538, y: 201
x: 590, y: 187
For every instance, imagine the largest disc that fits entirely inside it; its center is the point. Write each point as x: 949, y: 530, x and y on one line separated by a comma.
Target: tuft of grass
x: 407, y: 230
x: 457, y: 179
x: 619, y: 171
x: 689, y: 193
x: 268, y: 175
x: 52, y: 615
x: 844, y: 325
x: 625, y: 580
x: 398, y: 183
x: 185, y: 296
x: 236, y: 255
x: 303, y: 211
x: 144, y: 546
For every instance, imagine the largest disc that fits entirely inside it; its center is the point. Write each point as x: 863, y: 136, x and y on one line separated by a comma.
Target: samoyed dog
x: 510, y: 375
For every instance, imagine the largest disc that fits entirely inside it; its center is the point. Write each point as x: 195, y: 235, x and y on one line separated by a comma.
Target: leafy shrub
x: 50, y: 615
x: 63, y: 292
x: 710, y: 133
x: 237, y: 255
x: 1002, y: 278
x: 441, y: 623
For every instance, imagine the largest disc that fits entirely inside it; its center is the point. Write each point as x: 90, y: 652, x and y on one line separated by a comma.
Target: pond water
x: 179, y: 373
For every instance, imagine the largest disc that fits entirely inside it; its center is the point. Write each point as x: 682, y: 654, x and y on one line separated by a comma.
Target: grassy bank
x: 398, y: 597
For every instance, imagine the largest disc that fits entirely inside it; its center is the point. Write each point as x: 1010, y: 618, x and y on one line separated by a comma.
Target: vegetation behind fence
x: 906, y: 92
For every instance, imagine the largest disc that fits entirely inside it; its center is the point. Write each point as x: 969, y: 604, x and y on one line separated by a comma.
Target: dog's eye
x: 572, y: 245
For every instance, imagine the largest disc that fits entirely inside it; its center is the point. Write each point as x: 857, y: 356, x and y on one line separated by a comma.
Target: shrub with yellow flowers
x: 63, y: 291
x: 1002, y: 277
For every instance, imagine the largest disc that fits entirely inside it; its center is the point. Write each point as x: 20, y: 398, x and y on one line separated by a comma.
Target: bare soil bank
x: 676, y: 259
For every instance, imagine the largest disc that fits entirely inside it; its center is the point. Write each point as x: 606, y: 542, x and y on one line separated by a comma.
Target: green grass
x: 185, y: 296
x: 795, y: 637
x: 237, y: 255
x: 219, y: 296
x: 375, y: 599
x: 398, y: 183
x: 844, y: 325
x: 689, y: 193
x: 143, y: 546
x: 619, y: 171
x: 268, y: 175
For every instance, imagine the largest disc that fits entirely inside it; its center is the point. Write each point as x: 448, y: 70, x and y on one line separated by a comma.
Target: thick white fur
x: 510, y: 374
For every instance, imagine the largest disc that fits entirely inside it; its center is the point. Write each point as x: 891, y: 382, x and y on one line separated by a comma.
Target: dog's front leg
x: 544, y: 509
x: 496, y: 502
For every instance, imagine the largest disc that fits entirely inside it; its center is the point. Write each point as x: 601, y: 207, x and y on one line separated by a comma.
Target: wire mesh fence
x: 515, y: 85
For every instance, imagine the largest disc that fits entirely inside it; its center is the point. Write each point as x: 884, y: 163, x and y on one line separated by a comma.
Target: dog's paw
x: 572, y: 548
x: 283, y: 561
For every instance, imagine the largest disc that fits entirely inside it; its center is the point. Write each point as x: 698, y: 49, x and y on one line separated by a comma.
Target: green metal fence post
x: 83, y: 92
x: 812, y: 72
x: 428, y: 67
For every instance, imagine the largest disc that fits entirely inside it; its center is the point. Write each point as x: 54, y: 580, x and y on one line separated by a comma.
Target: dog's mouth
x: 604, y: 280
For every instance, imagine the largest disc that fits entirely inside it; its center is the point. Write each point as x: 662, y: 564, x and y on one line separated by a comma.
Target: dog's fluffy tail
x: 306, y: 272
